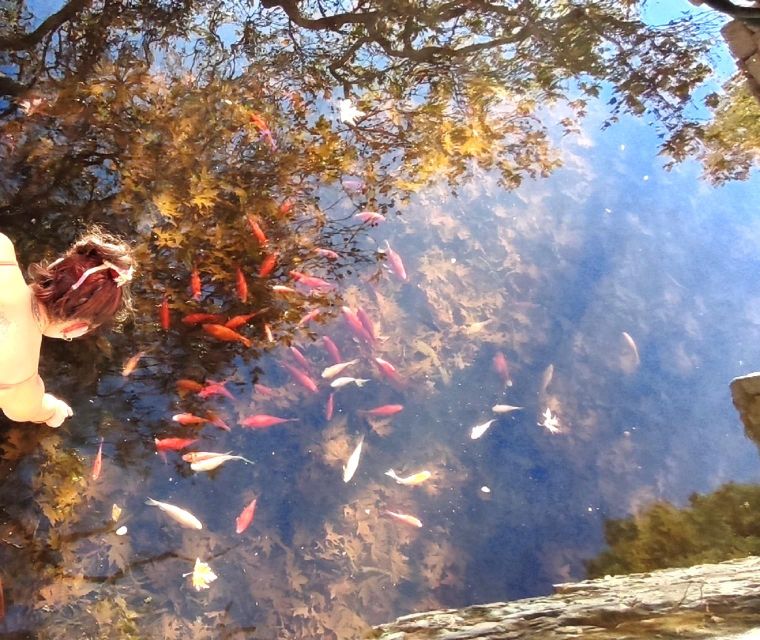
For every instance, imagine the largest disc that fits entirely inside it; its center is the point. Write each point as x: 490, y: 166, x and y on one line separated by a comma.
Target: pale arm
x: 28, y: 402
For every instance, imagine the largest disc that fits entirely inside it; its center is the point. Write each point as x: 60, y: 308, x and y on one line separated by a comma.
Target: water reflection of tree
x: 714, y: 527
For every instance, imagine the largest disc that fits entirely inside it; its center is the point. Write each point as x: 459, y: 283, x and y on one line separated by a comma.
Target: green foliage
x: 715, y: 527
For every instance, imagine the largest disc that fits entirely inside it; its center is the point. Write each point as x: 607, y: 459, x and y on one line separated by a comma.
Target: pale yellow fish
x: 480, y: 429
x: 504, y: 408
x: 202, y: 575
x: 180, y: 515
x: 342, y: 382
x: 410, y: 481
x: 632, y: 344
x: 209, y: 463
x: 131, y: 364
x: 405, y: 518
x: 334, y: 370
x: 353, y: 462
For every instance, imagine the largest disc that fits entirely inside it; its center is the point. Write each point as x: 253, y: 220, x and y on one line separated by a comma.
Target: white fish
x: 213, y: 461
x: 504, y: 408
x: 546, y: 379
x: 185, y: 518
x: 551, y: 422
x: 342, y: 382
x: 334, y: 370
x: 353, y: 461
x: 633, y: 346
x: 414, y: 479
x: 480, y: 429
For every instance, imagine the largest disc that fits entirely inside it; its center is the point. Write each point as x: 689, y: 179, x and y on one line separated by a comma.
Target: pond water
x: 617, y: 296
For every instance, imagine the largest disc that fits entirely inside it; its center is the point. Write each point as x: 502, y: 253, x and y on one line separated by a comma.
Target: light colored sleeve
x: 7, y: 251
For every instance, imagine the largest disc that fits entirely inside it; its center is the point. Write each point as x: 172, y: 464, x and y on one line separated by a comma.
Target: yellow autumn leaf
x: 202, y: 575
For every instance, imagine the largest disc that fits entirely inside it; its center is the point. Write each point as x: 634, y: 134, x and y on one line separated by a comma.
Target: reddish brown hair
x: 98, y: 298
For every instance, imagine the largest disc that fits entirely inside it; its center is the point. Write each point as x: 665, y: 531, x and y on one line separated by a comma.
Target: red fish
x: 372, y: 218
x: 242, y: 286
x: 330, y: 407
x: 267, y: 265
x: 257, y: 231
x: 332, y: 350
x: 356, y: 326
x: 195, y: 284
x: 239, y: 321
x: 384, y: 410
x: 97, y: 466
x: 366, y: 323
x: 243, y: 521
x: 173, y: 444
x: 188, y: 419
x: 262, y: 421
x: 215, y: 389
x: 286, y: 207
x: 199, y: 318
x: 312, y: 282
x: 259, y: 122
x: 389, y: 371
x: 327, y: 253
x: 220, y: 332
x: 300, y: 358
x: 164, y: 314
x: 189, y: 385
x: 501, y: 367
x: 301, y: 377
x: 395, y: 262
x: 263, y: 390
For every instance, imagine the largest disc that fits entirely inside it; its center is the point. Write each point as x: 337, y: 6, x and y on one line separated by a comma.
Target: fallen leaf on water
x: 202, y: 575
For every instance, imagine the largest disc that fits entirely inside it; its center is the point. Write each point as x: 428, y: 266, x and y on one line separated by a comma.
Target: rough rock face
x: 744, y: 42
x: 719, y: 601
x: 745, y: 392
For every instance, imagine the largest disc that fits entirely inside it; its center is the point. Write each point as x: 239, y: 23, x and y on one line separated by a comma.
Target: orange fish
x: 131, y: 364
x: 218, y: 422
x: 259, y: 123
x: 330, y: 407
x: 189, y: 385
x: 268, y: 265
x: 242, y: 286
x: 384, y: 410
x: 501, y: 367
x: 257, y: 231
x: 164, y: 314
x: 97, y: 466
x: 327, y: 253
x: 195, y: 284
x: 262, y: 421
x: 198, y: 318
x: 243, y: 521
x: 214, y: 389
x: 263, y: 390
x: 332, y: 350
x: 188, y: 419
x: 221, y: 332
x: 286, y: 207
x: 173, y: 444
x: 406, y: 519
x: 395, y: 262
x: 281, y: 288
x: 239, y: 321
x: 309, y: 317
